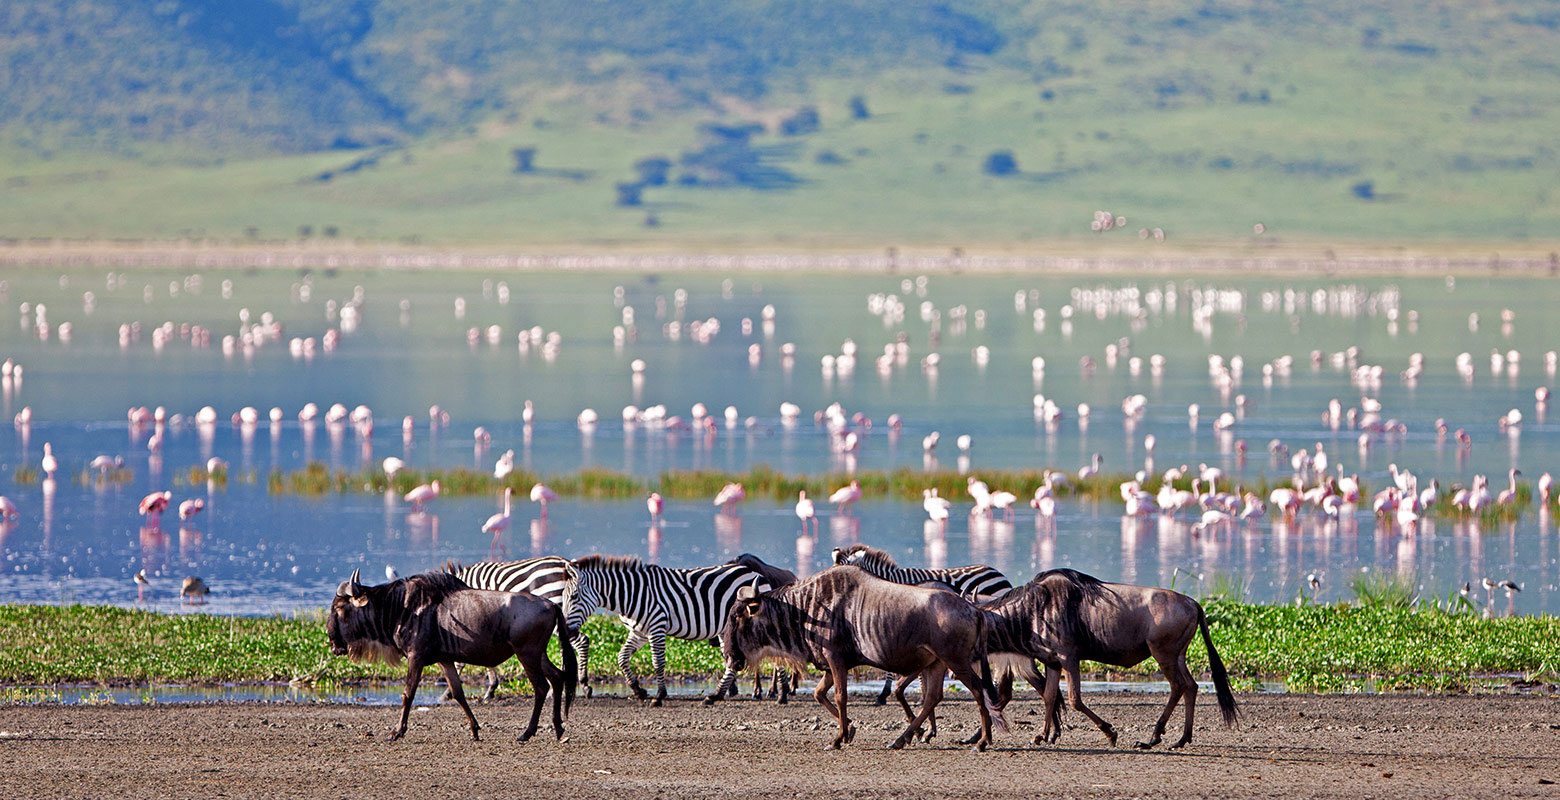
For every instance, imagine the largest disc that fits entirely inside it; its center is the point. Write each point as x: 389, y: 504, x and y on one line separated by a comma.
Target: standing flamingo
x: 1508, y: 496
x: 505, y: 465
x: 392, y: 465
x: 498, y: 523
x: 189, y: 508
x: 730, y: 495
x: 49, y: 463
x: 806, y: 513
x: 153, y: 505
x: 7, y: 508
x: 656, y: 505
x: 1545, y: 485
x: 845, y: 496
x: 540, y: 493
x: 422, y: 494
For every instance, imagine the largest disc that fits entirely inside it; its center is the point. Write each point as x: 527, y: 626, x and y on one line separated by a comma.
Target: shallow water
x: 80, y: 541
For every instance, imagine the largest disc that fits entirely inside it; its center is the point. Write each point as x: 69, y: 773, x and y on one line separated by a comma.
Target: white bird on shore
x: 729, y: 496
x: 141, y: 582
x: 49, y: 463
x: 805, y: 512
x: 936, y: 507
x: 391, y: 465
x: 505, y: 465
x: 844, y: 497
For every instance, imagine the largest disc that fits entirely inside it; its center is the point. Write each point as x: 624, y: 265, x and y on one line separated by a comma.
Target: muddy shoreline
x: 1289, y: 745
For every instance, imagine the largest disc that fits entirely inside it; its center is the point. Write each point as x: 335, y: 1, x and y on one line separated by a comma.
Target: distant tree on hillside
x: 1000, y: 163
x: 525, y: 159
x: 803, y: 121
x: 630, y: 194
x: 1364, y: 190
x: 653, y: 171
x: 858, y: 108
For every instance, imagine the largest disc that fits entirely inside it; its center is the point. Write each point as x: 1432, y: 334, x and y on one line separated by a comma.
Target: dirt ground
x: 1291, y: 746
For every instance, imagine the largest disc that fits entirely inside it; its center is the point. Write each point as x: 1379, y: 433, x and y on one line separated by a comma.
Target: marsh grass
x: 1383, y: 591
x: 25, y: 476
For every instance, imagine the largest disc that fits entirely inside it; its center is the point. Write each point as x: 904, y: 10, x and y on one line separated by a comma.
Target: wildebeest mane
x: 599, y: 561
x: 429, y: 588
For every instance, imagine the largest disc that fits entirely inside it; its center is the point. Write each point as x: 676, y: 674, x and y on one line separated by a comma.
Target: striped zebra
x: 546, y: 577
x: 976, y: 583
x: 656, y: 602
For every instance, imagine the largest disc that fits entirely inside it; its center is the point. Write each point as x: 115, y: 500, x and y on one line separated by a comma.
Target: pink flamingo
x: 498, y: 523
x: 730, y: 495
x: 655, y: 505
x: 845, y: 496
x: 540, y: 493
x: 422, y: 495
x: 189, y: 508
x: 7, y: 508
x: 49, y: 463
x: 153, y: 505
x: 805, y: 512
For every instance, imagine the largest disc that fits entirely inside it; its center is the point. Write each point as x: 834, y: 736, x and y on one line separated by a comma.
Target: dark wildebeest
x: 435, y: 619
x: 781, y: 685
x: 1063, y: 617
x: 843, y: 618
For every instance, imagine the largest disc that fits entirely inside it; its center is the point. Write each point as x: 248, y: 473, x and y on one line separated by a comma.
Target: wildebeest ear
x: 360, y: 600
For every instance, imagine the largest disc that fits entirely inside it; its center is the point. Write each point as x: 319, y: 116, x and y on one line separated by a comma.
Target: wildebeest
x: 843, y: 618
x: 783, y: 684
x: 433, y: 618
x: 1063, y: 617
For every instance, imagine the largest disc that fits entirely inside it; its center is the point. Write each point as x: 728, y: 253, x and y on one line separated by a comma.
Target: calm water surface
x: 407, y: 344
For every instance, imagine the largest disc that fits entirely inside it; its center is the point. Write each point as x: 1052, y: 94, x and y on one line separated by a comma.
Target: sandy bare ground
x: 1289, y: 746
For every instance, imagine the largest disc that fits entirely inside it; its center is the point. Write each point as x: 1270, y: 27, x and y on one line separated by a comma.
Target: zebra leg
x: 636, y: 639
x: 658, y: 658
x: 888, y: 688
x: 783, y: 678
x: 493, y: 680
x: 582, y: 650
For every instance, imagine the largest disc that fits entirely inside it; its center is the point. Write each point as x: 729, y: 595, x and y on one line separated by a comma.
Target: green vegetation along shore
x: 1382, y: 642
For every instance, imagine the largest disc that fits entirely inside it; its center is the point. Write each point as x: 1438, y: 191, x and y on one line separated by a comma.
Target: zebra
x: 656, y: 602
x: 546, y: 577
x: 976, y: 583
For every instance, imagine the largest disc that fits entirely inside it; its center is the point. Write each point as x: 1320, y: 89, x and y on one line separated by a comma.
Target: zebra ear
x: 839, y: 556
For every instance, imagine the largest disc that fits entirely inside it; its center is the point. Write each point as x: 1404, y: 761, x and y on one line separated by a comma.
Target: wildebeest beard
x: 771, y: 633
x: 367, y: 651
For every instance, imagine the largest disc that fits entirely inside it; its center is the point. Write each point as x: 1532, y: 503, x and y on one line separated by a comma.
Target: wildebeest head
x: 353, y: 624
x: 756, y: 629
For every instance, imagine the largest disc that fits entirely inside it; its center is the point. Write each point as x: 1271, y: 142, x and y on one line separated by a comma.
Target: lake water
x: 406, y: 345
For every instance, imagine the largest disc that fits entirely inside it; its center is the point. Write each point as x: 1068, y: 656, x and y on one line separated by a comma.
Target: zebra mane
x: 452, y: 567
x: 874, y: 555
x: 599, y: 561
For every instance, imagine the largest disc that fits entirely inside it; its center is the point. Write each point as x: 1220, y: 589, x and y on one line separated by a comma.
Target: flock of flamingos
x: 1319, y: 480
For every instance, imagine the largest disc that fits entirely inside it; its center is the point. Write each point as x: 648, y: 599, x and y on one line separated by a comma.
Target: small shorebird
x: 141, y: 583
x: 194, y: 590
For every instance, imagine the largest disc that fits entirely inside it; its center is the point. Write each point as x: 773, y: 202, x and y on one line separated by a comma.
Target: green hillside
x: 747, y: 124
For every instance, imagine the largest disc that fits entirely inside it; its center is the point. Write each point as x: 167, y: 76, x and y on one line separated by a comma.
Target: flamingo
x: 929, y: 443
x: 505, y: 465
x: 104, y: 464
x: 528, y: 413
x: 422, y: 494
x: 936, y: 507
x: 729, y: 496
x: 845, y: 496
x: 1003, y: 501
x: 189, y: 508
x: 498, y: 523
x: 1508, y: 496
x: 655, y: 505
x: 1092, y: 469
x: 49, y: 463
x: 1254, y: 507
x: 1044, y: 501
x: 215, y: 465
x: 392, y: 465
x: 1545, y: 484
x: 980, y: 494
x: 541, y: 493
x: 7, y: 508
x: 805, y: 512
x: 153, y: 505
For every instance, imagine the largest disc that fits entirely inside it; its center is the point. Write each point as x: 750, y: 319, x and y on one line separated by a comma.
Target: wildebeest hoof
x: 1148, y: 744
x: 850, y: 734
x: 1180, y: 744
x: 395, y: 734
x: 980, y: 746
x: 882, y: 700
x: 897, y: 744
x: 588, y: 691
x: 474, y: 736
x: 563, y: 739
x: 525, y: 737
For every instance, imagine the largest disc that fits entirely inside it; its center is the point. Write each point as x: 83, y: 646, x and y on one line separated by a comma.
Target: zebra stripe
x: 546, y: 577
x: 656, y: 602
x: 976, y: 582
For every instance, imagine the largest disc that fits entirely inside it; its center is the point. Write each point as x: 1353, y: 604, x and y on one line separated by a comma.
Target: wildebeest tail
x: 993, y: 697
x: 1221, y: 680
x: 570, y: 660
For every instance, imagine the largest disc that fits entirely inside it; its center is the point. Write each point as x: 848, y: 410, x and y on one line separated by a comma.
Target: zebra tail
x: 571, y: 673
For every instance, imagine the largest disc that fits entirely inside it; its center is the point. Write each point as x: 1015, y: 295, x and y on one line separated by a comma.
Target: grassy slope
x: 1325, y: 648
x: 1146, y: 119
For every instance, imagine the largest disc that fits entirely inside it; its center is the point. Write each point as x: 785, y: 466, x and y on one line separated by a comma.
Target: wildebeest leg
x: 452, y: 674
x: 636, y: 639
x: 888, y: 686
x: 537, y: 675
x: 1075, y: 696
x: 971, y: 680
x: 931, y: 695
x: 414, y: 670
x: 658, y: 658
x: 899, y: 694
x: 559, y: 688
x: 1182, y: 686
x: 841, y: 675
x: 821, y: 694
